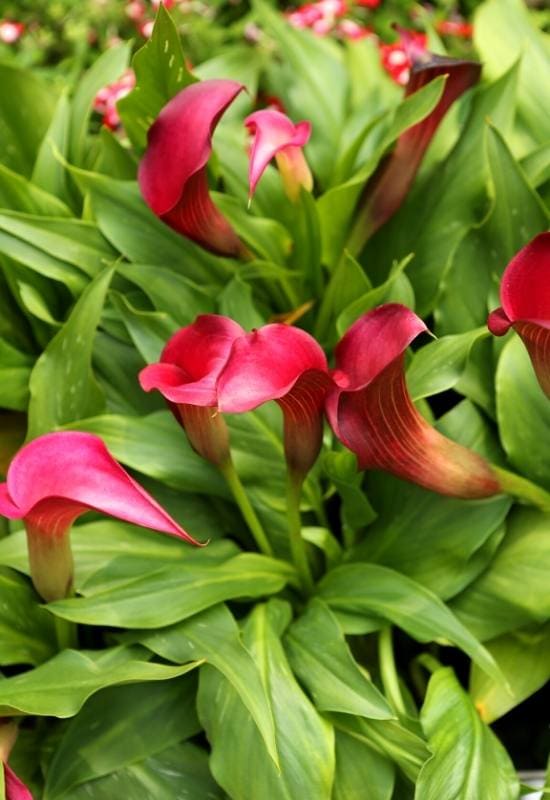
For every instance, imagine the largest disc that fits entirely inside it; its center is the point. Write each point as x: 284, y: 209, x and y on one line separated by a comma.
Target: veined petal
x: 275, y: 133
x: 59, y: 475
x: 172, y: 173
x: 191, y: 362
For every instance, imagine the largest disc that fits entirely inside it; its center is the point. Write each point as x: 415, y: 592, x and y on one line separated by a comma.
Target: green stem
x: 522, y: 489
x: 297, y: 544
x: 237, y: 490
x: 65, y: 632
x: 388, y: 671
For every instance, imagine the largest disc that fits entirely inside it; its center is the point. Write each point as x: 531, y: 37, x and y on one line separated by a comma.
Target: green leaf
x: 15, y: 372
x: 524, y: 658
x: 27, y: 633
x: 214, y: 636
x: 107, y: 68
x: 536, y: 165
x: 171, y: 594
x: 439, y: 365
x: 236, y: 301
x: 62, y: 385
x: 523, y: 413
x: 320, y: 657
x: 236, y: 744
x: 119, y: 727
x: 61, y: 686
x: 149, y: 330
x: 513, y: 590
x: 374, y: 590
x: 336, y: 206
x: 20, y: 194
x: 347, y: 283
x: 356, y: 511
x: 361, y: 773
x: 161, y: 73
x: 49, y: 172
x: 26, y: 107
x: 468, y: 759
x: 180, y: 771
x: 266, y: 237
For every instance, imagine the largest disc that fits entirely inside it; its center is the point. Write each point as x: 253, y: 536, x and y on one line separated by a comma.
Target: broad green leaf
x: 320, y: 657
x: 27, y: 633
x: 18, y: 193
x: 149, y: 330
x: 523, y: 413
x: 119, y: 727
x: 513, y: 591
x: 170, y: 594
x: 49, y: 171
x: 15, y: 372
x: 356, y: 511
x: 267, y: 238
x: 133, y: 229
x: 110, y: 551
x: 361, y: 772
x: 62, y: 385
x: 306, y: 251
x: 336, y: 206
x: 214, y: 636
x: 388, y: 738
x: 26, y: 107
x: 374, y: 590
x: 536, y: 166
x: 161, y: 73
x: 178, y: 772
x: 347, y: 283
x: 236, y: 301
x: 306, y: 770
x: 239, y: 63
x: 503, y: 33
x: 439, y: 365
x: 61, y: 686
x: 107, y: 68
x: 442, y: 208
x: 115, y: 159
x: 116, y: 366
x: 524, y: 658
x: 468, y: 760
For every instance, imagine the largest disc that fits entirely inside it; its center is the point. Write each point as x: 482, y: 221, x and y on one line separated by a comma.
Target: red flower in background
x: 173, y: 172
x: 349, y: 29
x: 135, y: 10
x: 56, y: 478
x: 525, y: 298
x: 319, y: 17
x: 105, y: 101
x: 371, y: 412
x: 10, y: 32
x: 398, y: 58
x: 276, y: 136
x: 455, y: 27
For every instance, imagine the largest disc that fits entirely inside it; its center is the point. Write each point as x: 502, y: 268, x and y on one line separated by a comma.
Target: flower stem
x: 388, y: 671
x: 65, y: 632
x: 237, y: 490
x: 297, y: 544
x: 522, y: 489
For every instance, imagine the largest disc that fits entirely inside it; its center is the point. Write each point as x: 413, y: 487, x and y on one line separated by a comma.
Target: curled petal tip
x: 498, y: 323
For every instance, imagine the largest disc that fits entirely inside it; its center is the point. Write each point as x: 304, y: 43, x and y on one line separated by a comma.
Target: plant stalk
x: 388, y: 671
x: 297, y: 544
x: 237, y: 490
x: 522, y: 489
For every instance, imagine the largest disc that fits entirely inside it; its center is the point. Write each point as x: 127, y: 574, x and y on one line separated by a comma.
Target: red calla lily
x: 56, y: 478
x: 285, y: 364
x: 388, y: 187
x: 14, y: 788
x: 372, y: 413
x: 172, y: 173
x: 276, y: 136
x: 525, y: 298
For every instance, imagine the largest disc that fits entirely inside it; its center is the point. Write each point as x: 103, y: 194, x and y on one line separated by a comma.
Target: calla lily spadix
x: 173, y: 172
x: 389, y: 186
x: 525, y: 298
x: 276, y: 136
x: 56, y: 478
x: 371, y: 412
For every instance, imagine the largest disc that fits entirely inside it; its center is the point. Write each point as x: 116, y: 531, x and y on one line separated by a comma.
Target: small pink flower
x: 135, y: 10
x: 351, y: 30
x: 145, y: 29
x: 455, y: 27
x: 397, y: 58
x: 371, y: 412
x: 10, y: 32
x: 525, y: 298
x: 368, y: 3
x: 166, y: 3
x: 105, y: 101
x: 276, y: 136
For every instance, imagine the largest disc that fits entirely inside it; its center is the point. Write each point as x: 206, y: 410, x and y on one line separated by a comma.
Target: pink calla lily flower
x: 172, y: 174
x: 56, y: 478
x: 14, y: 788
x: 214, y: 365
x: 525, y: 298
x: 390, y: 184
x: 371, y: 412
x: 276, y: 136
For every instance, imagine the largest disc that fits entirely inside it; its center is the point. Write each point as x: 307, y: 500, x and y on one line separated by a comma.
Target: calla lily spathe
x: 14, y: 787
x: 56, y: 478
x: 173, y: 172
x: 525, y: 298
x: 371, y: 412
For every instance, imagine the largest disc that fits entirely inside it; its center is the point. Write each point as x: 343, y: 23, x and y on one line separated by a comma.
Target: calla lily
x: 285, y: 364
x: 276, y: 136
x: 172, y: 174
x: 371, y: 412
x: 56, y: 478
x: 388, y: 187
x: 525, y: 298
x: 14, y: 788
